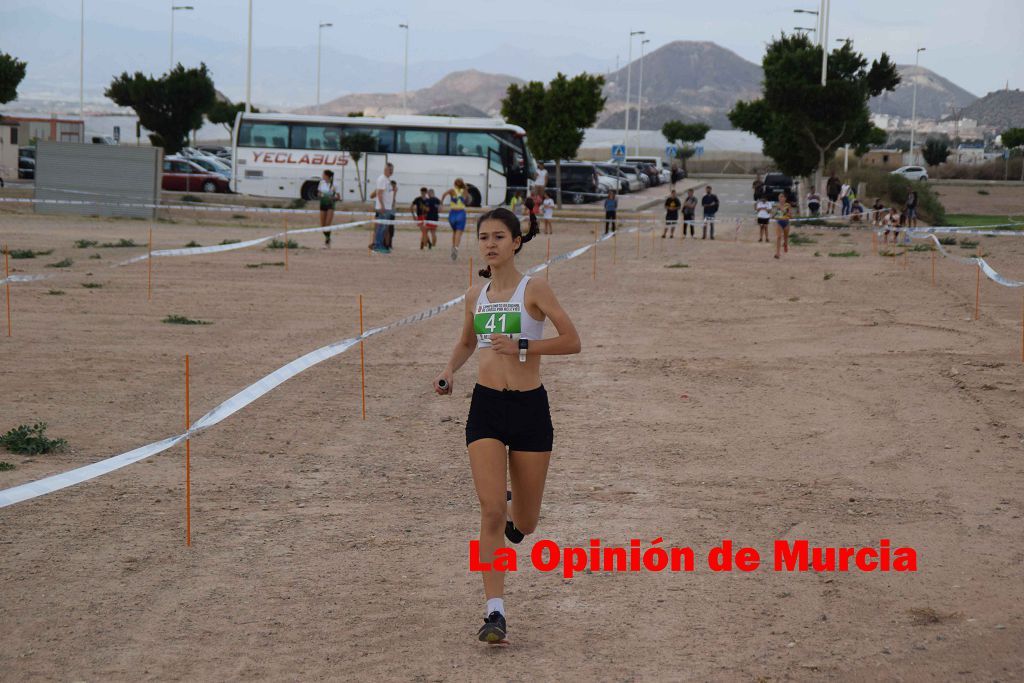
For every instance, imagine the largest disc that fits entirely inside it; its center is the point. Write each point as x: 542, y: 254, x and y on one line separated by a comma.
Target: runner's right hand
x: 447, y: 377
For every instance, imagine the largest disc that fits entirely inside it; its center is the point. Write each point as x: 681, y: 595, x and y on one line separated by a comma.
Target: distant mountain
x: 1002, y: 109
x: 935, y: 95
x: 700, y: 80
x: 475, y: 90
x: 653, y: 118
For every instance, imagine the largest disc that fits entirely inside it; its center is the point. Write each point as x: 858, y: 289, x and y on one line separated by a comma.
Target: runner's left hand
x: 503, y: 344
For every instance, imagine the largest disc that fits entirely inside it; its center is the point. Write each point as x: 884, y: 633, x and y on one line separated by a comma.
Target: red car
x: 182, y: 175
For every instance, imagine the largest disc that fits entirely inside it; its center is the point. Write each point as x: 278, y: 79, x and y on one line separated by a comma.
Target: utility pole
x: 913, y: 107
x: 248, y: 65
x: 640, y: 96
x: 319, y: 42
x: 629, y: 77
x: 405, y: 71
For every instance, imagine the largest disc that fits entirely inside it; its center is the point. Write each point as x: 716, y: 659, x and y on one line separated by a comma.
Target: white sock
x: 496, y: 605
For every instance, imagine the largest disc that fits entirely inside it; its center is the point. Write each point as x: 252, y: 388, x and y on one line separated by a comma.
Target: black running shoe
x: 494, y: 629
x: 511, y: 532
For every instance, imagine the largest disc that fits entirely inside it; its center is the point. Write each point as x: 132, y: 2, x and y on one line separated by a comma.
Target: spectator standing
x: 911, y: 209
x: 709, y: 202
x: 548, y: 206
x: 541, y: 178
x: 832, y: 189
x: 758, y: 187
x: 844, y: 197
x: 611, y: 207
x: 876, y: 212
x: 394, y: 212
x: 763, y: 207
x: 689, y: 213
x: 672, y: 206
x: 384, y: 202
x: 329, y: 193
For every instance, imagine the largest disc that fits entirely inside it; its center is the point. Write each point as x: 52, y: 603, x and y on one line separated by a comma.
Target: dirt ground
x: 739, y: 397
x: 997, y: 200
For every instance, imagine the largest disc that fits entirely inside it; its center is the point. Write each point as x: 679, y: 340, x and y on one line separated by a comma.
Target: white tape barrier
x: 243, y: 398
x: 990, y: 272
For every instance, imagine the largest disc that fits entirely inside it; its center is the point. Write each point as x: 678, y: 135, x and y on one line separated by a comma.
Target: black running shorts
x: 519, y: 419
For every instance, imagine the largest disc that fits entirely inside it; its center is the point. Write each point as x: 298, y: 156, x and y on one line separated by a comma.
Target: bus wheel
x: 308, y: 190
x: 578, y: 198
x: 474, y: 196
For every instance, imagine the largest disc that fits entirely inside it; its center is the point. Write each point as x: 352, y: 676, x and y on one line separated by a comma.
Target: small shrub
x: 794, y: 298
x: 297, y: 203
x: 96, y: 256
x: 968, y: 244
x: 947, y: 241
x: 31, y: 440
x: 230, y: 241
x: 121, y: 243
x: 678, y: 265
x: 922, y: 247
x: 191, y: 198
x: 844, y: 234
x: 796, y: 239
x: 85, y: 244
x: 829, y: 276
x: 27, y: 253
x: 239, y: 216
x: 192, y: 243
x: 174, y: 319
x: 63, y: 263
x: 279, y: 244
x: 982, y: 192
x: 92, y: 285
x: 281, y: 263
x: 5, y: 466
x: 56, y: 292
x: 851, y: 253
x: 817, y: 253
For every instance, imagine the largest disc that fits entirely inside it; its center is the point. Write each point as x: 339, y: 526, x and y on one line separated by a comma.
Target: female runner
x: 509, y: 420
x: 783, y: 214
x: 329, y: 193
x: 457, y: 213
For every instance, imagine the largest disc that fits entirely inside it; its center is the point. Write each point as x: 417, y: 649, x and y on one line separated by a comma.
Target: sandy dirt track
x: 739, y: 397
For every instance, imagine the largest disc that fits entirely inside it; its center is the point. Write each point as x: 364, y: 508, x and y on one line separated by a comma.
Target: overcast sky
x: 978, y: 45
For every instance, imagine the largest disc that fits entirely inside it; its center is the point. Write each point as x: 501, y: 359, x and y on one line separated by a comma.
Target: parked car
x: 608, y: 182
x: 579, y: 181
x: 912, y: 173
x: 184, y: 175
x: 637, y: 180
x: 652, y: 173
x: 218, y: 151
x: 625, y: 184
x: 212, y: 164
x: 774, y: 183
x: 27, y: 163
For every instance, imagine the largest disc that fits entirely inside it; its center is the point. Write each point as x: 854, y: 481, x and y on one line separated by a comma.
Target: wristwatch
x: 524, y: 345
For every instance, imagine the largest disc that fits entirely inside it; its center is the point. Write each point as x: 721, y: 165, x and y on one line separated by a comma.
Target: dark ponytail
x: 510, y: 221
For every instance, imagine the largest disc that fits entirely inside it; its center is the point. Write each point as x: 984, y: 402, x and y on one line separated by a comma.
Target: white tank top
x: 507, y: 317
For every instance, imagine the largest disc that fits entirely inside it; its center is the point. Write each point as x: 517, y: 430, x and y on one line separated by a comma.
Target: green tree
x: 801, y: 122
x: 358, y: 144
x: 1014, y: 137
x: 224, y: 113
x: 934, y: 151
x: 685, y: 136
x: 170, y: 106
x: 12, y: 71
x: 555, y: 116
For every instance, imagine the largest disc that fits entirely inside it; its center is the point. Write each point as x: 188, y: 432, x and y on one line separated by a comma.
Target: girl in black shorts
x: 509, y: 426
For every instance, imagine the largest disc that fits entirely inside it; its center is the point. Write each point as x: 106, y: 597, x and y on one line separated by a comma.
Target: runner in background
x: 763, y: 209
x: 329, y: 193
x: 509, y: 434
x: 456, y: 213
x: 548, y: 206
x: 813, y: 205
x: 394, y: 205
x: 418, y: 209
x: 783, y: 213
x: 911, y: 209
x: 611, y: 208
x: 877, y: 211
x: 672, y: 206
x: 433, y: 213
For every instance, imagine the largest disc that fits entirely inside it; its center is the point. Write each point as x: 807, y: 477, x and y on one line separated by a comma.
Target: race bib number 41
x: 498, y: 319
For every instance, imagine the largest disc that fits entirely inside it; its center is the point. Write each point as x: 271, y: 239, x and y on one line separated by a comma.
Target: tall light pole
x: 319, y: 41
x: 825, y: 11
x: 405, y: 70
x: 629, y: 77
x: 817, y: 26
x: 640, y: 96
x: 913, y: 107
x: 81, y: 70
x: 248, y: 65
x: 176, y: 8
x: 807, y: 30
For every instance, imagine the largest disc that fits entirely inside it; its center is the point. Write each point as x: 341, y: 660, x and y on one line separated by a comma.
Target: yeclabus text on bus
x: 283, y: 155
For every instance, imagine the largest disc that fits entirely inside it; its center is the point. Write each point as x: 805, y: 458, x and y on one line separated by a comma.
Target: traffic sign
x: 700, y: 151
x: 671, y: 151
x: 618, y: 152
x: 117, y: 133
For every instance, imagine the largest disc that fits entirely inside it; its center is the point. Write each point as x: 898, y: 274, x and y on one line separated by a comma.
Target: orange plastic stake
x: 977, y: 289
x: 188, y: 463
x: 933, y: 267
x: 593, y: 275
x: 362, y: 365
x: 149, y: 264
x: 286, y: 241
x: 615, y: 249
x: 1022, y: 330
x: 547, y: 271
x: 7, y: 285
x: 874, y: 243
x: 638, y: 242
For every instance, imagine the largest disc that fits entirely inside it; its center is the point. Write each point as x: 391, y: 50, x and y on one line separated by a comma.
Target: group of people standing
x: 425, y: 210
x: 709, y: 205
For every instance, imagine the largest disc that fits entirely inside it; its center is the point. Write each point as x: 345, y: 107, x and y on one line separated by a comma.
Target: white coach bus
x: 284, y: 155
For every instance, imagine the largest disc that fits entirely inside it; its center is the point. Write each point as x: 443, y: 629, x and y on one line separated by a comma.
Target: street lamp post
x: 913, y: 106
x: 405, y: 70
x: 808, y: 30
x: 176, y: 8
x: 817, y: 25
x: 248, y: 65
x: 640, y: 96
x: 81, y: 69
x: 319, y: 42
x: 629, y: 77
